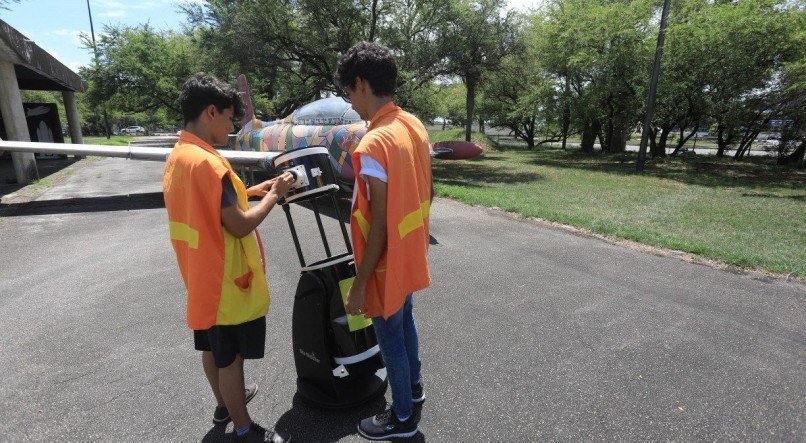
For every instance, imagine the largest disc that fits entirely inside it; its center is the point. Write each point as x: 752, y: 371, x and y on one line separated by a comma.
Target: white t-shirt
x: 369, y: 168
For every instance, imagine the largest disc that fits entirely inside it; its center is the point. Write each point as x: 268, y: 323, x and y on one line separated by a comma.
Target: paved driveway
x: 528, y: 333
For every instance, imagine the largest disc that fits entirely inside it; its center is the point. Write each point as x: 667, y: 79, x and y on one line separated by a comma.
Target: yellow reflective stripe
x: 414, y: 219
x: 183, y: 232
x: 363, y: 224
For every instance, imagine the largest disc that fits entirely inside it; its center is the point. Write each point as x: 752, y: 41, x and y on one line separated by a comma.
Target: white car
x: 133, y: 130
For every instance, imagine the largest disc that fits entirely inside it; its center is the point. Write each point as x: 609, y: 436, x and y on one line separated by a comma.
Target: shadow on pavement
x: 217, y: 434
x: 310, y: 424
x: 152, y: 200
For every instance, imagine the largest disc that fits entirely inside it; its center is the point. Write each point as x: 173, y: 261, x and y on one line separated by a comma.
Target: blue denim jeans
x: 397, y: 337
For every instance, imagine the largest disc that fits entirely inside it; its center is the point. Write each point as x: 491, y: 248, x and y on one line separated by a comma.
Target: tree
x: 680, y: 100
x: 453, y: 109
x: 520, y: 97
x: 478, y: 36
x: 597, y: 52
x: 792, y: 145
x: 140, y: 70
x: 289, y: 50
x: 748, y: 41
x: 413, y: 30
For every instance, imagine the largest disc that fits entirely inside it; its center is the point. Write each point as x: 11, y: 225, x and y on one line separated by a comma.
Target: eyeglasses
x: 345, y: 94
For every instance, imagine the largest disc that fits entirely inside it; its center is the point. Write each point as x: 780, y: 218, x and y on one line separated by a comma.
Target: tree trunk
x: 616, y: 137
x: 373, y: 21
x: 481, y: 124
x: 602, y: 141
x: 618, y: 141
x: 566, y: 117
x: 721, y: 143
x: 107, y: 127
x: 588, y: 136
x: 608, y: 136
x: 795, y: 158
x: 659, y: 148
x: 682, y: 140
x: 470, y: 82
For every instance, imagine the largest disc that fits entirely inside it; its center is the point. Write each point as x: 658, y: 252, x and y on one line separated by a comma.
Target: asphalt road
x: 528, y: 333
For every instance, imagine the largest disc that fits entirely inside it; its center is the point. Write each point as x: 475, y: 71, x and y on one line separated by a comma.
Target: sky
x: 55, y: 25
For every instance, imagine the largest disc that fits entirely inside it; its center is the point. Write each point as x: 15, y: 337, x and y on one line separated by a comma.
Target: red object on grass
x: 456, y: 150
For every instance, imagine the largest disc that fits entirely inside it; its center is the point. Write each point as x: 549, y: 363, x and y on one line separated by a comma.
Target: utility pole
x: 92, y: 31
x: 95, y: 51
x: 653, y: 88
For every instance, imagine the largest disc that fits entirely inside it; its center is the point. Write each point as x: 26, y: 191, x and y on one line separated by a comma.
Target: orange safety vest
x: 398, y: 141
x: 224, y: 275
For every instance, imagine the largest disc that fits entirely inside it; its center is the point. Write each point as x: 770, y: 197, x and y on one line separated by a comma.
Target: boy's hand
x: 282, y: 184
x: 259, y: 190
x: 354, y: 304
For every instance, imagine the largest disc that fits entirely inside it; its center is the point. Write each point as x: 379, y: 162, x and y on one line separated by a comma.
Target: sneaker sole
x: 388, y: 436
x: 248, y: 399
x: 418, y: 400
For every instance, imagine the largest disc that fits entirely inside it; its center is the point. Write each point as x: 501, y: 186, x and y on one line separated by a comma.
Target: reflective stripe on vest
x: 414, y: 219
x: 363, y: 224
x: 182, y: 232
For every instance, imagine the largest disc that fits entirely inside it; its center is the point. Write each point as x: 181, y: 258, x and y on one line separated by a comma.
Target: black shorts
x: 225, y: 342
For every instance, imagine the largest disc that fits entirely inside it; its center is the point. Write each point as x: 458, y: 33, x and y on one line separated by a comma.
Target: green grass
x: 116, y: 140
x: 42, y: 183
x: 750, y: 213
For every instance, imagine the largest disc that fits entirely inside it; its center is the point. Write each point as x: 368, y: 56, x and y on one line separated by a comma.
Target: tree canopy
x: 569, y: 67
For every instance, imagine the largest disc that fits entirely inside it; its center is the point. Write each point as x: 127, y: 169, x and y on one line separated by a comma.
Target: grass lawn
x: 116, y: 140
x: 750, y: 213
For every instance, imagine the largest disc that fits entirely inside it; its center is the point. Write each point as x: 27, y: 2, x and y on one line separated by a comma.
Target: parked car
x: 133, y: 130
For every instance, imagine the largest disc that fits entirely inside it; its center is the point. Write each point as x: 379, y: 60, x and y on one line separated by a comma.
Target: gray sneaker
x: 221, y: 414
x: 386, y: 425
x: 257, y: 434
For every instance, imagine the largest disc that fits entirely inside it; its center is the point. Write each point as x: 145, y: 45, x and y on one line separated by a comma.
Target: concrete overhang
x: 35, y: 68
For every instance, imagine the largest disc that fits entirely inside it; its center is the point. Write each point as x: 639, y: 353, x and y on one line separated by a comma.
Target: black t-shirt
x: 228, y: 195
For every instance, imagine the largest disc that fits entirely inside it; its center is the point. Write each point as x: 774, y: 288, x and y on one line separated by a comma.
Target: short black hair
x: 202, y: 90
x: 371, y: 61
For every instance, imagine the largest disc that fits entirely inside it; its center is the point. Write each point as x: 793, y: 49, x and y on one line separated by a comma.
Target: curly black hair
x: 372, y: 62
x: 202, y: 90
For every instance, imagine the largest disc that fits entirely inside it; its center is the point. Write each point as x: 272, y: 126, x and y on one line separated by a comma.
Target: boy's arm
x: 241, y: 223
x: 376, y: 244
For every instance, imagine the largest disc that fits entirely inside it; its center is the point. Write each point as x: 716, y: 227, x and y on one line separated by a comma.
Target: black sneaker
x: 221, y: 414
x: 257, y: 434
x: 386, y: 425
x: 417, y: 394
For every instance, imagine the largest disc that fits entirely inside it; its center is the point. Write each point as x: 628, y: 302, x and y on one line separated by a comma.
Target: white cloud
x: 112, y: 14
x: 113, y: 4
x: 74, y: 33
x: 145, y: 5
